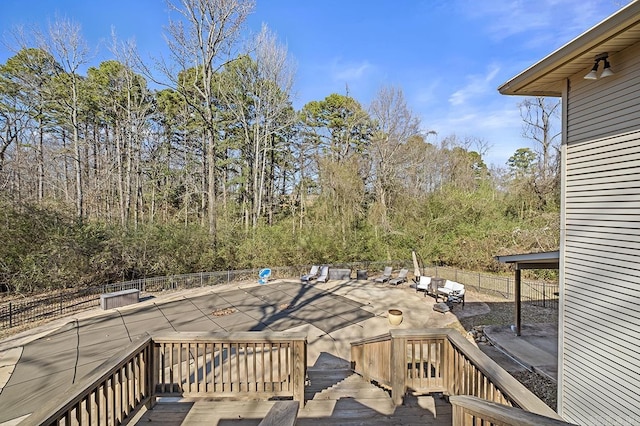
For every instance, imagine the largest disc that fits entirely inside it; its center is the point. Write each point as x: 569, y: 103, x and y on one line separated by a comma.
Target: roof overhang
x: 545, y: 260
x: 546, y: 77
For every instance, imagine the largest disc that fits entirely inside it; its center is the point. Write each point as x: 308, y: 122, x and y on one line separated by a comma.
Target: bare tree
x: 13, y: 119
x: 202, y: 40
x: 64, y: 42
x: 396, y: 124
x: 133, y: 105
x: 257, y: 93
x: 539, y: 116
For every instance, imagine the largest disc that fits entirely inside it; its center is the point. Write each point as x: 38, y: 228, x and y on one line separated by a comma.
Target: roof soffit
x: 546, y: 77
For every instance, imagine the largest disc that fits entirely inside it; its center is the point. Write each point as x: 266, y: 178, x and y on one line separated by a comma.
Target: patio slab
x: 333, y: 315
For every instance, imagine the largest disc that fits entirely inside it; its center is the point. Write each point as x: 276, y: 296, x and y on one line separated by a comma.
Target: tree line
x: 203, y: 163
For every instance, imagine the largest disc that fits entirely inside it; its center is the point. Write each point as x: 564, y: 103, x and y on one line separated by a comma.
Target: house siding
x: 606, y: 106
x: 601, y: 289
x: 600, y: 371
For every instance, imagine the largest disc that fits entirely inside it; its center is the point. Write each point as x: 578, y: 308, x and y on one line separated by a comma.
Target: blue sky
x: 448, y: 56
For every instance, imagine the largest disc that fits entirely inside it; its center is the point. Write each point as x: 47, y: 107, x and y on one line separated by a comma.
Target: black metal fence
x: 20, y: 312
x: 539, y: 293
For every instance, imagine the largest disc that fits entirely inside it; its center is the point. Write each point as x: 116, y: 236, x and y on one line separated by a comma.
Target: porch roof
x: 544, y: 260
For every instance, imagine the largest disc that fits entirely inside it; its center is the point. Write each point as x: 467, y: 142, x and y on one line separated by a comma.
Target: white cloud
x: 425, y: 93
x: 350, y: 72
x: 477, y: 85
x: 492, y: 118
x: 545, y: 22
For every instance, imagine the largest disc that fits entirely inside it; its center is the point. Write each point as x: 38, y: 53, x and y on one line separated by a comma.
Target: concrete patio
x: 37, y: 363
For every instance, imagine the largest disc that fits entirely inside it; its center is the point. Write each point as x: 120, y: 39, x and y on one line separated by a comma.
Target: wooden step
x: 343, y: 397
x: 334, y: 397
x: 336, y: 384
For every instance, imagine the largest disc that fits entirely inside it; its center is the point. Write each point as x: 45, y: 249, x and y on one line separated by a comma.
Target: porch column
x: 516, y: 291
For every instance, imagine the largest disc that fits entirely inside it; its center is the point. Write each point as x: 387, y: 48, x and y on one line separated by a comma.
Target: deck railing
x: 260, y: 365
x: 114, y: 391
x: 256, y: 364
x: 248, y: 365
x: 470, y: 410
x: 439, y: 360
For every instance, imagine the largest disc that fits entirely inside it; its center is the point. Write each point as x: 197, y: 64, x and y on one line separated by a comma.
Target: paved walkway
x: 536, y: 348
x: 45, y: 360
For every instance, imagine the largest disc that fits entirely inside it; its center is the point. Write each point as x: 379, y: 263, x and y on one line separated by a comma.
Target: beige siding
x: 607, y: 106
x: 601, y: 311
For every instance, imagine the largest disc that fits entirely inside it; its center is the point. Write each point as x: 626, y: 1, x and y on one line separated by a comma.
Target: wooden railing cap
x: 237, y: 336
x: 429, y: 332
x: 503, y: 414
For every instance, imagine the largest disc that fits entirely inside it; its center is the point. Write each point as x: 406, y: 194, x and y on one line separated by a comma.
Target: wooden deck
x: 333, y: 397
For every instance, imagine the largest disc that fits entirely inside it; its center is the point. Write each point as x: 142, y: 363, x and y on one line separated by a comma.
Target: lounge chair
x: 453, y: 292
x: 324, y: 275
x: 312, y: 275
x: 402, y: 277
x: 386, y: 275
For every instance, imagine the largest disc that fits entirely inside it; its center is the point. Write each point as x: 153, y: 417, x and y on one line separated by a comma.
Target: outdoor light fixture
x: 606, y: 71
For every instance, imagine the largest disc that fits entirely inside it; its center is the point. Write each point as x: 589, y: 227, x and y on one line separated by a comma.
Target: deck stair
x: 341, y: 397
x: 340, y: 383
x: 332, y: 397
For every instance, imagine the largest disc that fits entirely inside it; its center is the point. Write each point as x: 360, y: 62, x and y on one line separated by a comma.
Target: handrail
x: 118, y: 388
x: 247, y: 364
x: 442, y: 360
x: 479, y: 410
x: 515, y: 391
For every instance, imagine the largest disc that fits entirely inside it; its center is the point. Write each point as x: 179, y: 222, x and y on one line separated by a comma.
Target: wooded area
x: 202, y: 163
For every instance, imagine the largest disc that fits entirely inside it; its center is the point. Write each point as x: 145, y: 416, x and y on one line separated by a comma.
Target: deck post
x: 299, y: 369
x: 398, y: 368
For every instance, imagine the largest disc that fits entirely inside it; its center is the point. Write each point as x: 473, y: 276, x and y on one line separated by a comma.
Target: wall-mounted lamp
x: 606, y: 71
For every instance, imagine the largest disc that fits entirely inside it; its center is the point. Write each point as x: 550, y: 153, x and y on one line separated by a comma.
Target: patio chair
x: 324, y: 274
x: 264, y: 275
x: 312, y: 275
x: 425, y: 284
x: 386, y: 275
x: 453, y: 291
x: 402, y: 277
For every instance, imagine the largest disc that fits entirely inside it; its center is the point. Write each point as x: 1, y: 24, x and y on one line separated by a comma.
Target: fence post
x: 479, y: 281
x: 10, y: 315
x: 61, y: 303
